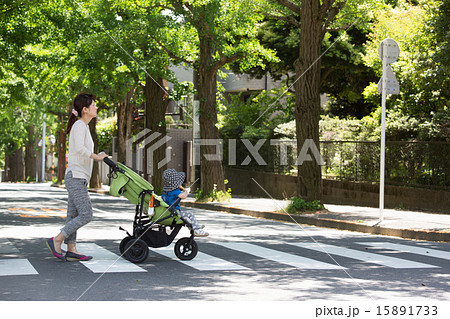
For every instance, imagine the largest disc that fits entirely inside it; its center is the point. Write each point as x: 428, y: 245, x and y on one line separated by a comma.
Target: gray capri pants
x: 79, y: 208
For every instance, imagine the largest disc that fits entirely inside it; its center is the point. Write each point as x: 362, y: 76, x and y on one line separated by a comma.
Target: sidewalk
x: 398, y: 223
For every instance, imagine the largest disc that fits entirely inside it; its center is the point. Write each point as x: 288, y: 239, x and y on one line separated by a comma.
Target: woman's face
x: 91, y: 110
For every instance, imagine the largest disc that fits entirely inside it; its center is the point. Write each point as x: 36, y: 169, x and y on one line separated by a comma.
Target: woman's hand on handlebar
x: 99, y: 157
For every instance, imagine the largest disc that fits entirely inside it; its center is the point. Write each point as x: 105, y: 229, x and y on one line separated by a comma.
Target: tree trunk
x: 121, y: 133
x: 95, y: 181
x: 307, y: 97
x: 10, y: 167
x: 20, y: 158
x: 14, y: 165
x: 8, y: 164
x: 124, y: 122
x: 30, y: 155
x: 211, y: 170
x: 155, y: 111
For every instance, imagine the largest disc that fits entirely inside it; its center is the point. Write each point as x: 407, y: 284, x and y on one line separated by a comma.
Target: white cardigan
x: 81, y: 147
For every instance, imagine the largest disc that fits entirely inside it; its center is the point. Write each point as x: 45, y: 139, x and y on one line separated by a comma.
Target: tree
x: 313, y: 19
x: 343, y: 72
x: 142, y: 28
x: 421, y: 30
x: 224, y: 32
x: 18, y: 117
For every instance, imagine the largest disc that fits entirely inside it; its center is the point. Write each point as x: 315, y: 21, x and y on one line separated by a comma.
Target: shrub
x: 214, y: 195
x: 298, y: 204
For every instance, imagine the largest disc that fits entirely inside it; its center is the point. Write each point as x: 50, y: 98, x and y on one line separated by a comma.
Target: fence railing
x: 407, y: 163
x: 413, y: 163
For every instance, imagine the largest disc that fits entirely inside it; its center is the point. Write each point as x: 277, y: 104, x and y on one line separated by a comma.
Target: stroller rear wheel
x: 186, y: 248
x: 136, y: 251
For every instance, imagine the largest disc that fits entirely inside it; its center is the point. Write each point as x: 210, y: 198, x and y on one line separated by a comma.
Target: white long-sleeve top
x: 81, y: 146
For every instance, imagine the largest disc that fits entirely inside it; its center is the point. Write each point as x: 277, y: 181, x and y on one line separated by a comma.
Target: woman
x: 78, y: 174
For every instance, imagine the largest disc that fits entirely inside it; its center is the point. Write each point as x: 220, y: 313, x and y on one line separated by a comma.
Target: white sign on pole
x: 389, y: 50
x: 196, y: 122
x: 388, y: 84
x: 391, y: 83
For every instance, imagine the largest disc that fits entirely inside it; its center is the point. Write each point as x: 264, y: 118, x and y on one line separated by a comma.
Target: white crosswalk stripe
x: 16, y: 267
x: 364, y: 256
x: 106, y: 261
x: 13, y: 266
x: 202, y: 261
x: 410, y: 249
x: 280, y: 257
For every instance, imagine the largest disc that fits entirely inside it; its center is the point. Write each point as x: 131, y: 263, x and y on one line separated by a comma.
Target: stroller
x: 155, y: 223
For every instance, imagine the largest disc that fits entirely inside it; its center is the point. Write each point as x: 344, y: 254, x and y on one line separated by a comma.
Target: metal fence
x: 411, y: 163
x: 407, y: 163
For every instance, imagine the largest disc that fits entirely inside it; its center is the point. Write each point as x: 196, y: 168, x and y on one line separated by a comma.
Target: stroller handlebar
x: 109, y: 162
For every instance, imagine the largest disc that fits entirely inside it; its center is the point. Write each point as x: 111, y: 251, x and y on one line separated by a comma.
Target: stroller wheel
x: 136, y: 251
x: 186, y: 248
x: 123, y: 243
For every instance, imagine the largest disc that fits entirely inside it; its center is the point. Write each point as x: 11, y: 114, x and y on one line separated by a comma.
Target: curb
x: 329, y: 223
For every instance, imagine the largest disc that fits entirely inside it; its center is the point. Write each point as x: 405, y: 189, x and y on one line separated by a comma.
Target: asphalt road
x: 244, y: 259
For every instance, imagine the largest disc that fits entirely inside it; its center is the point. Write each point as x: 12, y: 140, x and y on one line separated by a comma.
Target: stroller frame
x: 150, y: 233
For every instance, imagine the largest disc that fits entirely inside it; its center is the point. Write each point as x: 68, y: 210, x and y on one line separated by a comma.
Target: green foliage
x: 214, y: 195
x: 399, y: 127
x: 255, y: 117
x: 333, y: 128
x: 182, y: 89
x: 422, y: 68
x: 106, y: 130
x: 299, y: 205
x: 30, y: 179
x: 344, y: 75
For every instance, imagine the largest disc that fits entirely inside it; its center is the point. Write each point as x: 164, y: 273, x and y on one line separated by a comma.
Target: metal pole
x: 61, y: 153
x: 43, y: 150
x: 383, y: 138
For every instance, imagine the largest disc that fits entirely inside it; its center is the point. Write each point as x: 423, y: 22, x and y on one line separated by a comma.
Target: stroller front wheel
x: 123, y: 244
x: 136, y: 251
x: 186, y: 248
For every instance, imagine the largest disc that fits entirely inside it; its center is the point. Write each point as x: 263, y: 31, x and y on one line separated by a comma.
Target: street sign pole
x: 43, y: 150
x: 383, y: 140
x: 388, y: 52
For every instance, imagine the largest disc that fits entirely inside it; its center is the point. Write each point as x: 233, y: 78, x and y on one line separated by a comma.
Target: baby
x: 172, y: 190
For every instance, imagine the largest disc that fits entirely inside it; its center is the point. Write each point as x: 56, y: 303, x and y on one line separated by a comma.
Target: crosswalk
x: 202, y: 261
x: 281, y: 257
x: 16, y: 266
x: 106, y: 261
x: 240, y: 256
x: 387, y: 261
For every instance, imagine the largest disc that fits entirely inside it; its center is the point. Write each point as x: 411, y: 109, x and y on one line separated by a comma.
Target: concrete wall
x: 178, y: 137
x: 243, y: 182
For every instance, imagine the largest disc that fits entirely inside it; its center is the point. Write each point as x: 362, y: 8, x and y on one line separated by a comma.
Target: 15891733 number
x: 407, y: 310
